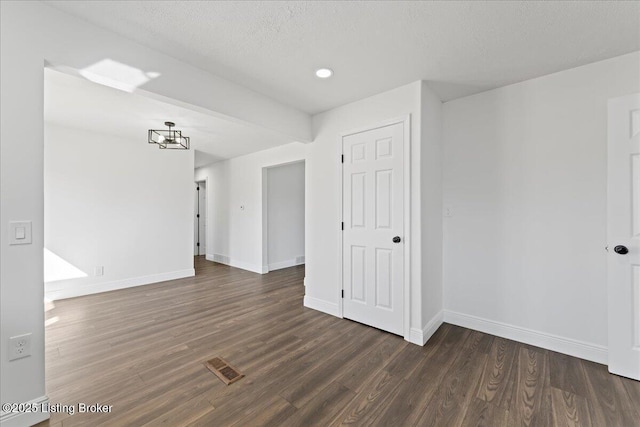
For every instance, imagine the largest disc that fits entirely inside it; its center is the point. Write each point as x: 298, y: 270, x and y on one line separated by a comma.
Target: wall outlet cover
x: 19, y: 346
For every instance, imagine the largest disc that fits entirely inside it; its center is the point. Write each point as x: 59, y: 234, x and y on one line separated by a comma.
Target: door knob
x: 397, y: 239
x: 620, y: 249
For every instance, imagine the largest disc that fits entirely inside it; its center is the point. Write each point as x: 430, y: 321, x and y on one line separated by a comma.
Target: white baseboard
x: 583, y: 350
x: 321, y: 305
x: 223, y: 259
x: 55, y: 291
x: 217, y: 258
x: 22, y: 419
x: 421, y: 336
x: 415, y: 336
x: 286, y: 264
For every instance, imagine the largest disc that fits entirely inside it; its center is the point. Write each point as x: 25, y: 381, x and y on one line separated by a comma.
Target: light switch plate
x: 20, y: 232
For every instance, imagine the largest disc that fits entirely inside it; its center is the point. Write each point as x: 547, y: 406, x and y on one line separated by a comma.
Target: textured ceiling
x: 460, y: 47
x: 75, y: 102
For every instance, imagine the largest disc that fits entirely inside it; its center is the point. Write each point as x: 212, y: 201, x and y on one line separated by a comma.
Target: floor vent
x: 227, y: 373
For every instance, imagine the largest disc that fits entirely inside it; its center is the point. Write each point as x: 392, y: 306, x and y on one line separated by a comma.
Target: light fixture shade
x: 169, y: 138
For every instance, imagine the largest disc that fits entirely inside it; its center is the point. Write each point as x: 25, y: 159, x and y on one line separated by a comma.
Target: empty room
x: 390, y: 213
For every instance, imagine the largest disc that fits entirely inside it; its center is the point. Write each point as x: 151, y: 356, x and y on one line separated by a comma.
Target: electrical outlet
x: 98, y: 271
x: 19, y: 346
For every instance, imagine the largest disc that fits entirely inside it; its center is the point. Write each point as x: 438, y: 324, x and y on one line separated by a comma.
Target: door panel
x: 358, y: 273
x: 373, y: 213
x: 384, y: 279
x: 623, y: 211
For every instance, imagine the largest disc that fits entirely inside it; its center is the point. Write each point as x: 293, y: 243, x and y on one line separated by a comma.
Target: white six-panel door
x: 373, y: 215
x: 623, y: 193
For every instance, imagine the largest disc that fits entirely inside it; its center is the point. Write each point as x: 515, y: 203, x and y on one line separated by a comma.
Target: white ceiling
x: 75, y: 102
x: 460, y: 47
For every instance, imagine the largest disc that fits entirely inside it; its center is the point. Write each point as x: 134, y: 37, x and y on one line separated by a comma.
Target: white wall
x: 525, y: 178
x: 285, y: 215
x: 431, y: 210
x: 110, y: 203
x: 30, y: 34
x: 234, y: 194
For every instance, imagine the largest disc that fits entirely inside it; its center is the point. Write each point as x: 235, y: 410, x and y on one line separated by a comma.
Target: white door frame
x: 206, y: 212
x: 406, y: 124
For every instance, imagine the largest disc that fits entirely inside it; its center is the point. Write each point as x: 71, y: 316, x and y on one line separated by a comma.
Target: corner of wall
x: 421, y: 336
x: 431, y: 200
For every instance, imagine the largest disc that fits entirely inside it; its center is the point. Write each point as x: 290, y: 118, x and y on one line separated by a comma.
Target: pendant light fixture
x: 169, y: 138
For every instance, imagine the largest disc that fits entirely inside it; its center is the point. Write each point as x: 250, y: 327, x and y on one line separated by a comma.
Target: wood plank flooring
x: 142, y: 350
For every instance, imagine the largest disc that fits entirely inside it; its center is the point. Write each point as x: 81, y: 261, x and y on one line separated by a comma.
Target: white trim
x: 21, y: 419
x: 593, y: 352
x: 206, y: 211
x: 406, y: 133
x: 264, y: 231
x: 340, y: 285
x: 421, y: 336
x: 57, y: 292
x: 286, y: 264
x: 322, y: 305
x: 223, y: 259
x: 407, y: 225
x: 415, y: 336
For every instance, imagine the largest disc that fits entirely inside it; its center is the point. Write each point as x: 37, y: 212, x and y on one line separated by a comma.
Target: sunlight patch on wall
x: 117, y: 75
x: 56, y: 268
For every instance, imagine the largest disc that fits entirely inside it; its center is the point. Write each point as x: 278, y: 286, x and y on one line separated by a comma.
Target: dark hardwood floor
x: 142, y: 350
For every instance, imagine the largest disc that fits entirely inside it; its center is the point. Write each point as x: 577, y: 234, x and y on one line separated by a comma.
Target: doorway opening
x: 283, y: 214
x: 200, y: 219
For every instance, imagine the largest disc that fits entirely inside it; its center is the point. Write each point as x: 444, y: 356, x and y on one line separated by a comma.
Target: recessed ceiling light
x: 324, y: 73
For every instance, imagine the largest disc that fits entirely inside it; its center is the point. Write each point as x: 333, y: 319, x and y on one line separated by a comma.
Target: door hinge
x: 198, y: 244
x: 342, y: 226
x: 342, y: 158
x: 198, y: 216
x: 343, y: 293
x: 197, y: 188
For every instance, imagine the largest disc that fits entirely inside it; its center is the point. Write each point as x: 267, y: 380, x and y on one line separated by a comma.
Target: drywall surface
x: 285, y: 215
x: 324, y: 194
x: 33, y: 34
x: 235, y: 205
x: 525, y: 183
x: 110, y: 203
x: 431, y: 210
